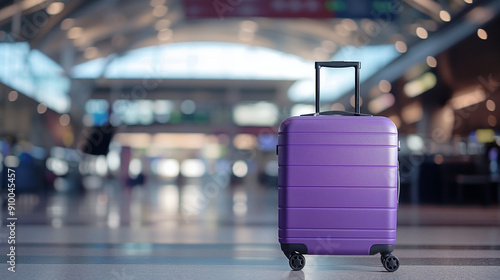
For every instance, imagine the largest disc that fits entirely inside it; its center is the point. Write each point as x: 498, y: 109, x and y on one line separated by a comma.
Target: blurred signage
x: 485, y: 135
x: 289, y: 8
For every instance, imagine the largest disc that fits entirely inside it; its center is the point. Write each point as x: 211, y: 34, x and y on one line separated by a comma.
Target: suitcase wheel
x: 297, y: 261
x: 390, y: 262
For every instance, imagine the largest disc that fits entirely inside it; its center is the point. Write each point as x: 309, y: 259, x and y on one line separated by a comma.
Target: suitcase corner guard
x: 381, y: 248
x: 289, y: 249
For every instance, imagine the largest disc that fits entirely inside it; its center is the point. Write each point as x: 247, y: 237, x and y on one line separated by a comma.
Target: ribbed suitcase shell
x: 338, y: 183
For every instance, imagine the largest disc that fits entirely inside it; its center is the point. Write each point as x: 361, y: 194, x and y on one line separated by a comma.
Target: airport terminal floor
x: 166, y: 232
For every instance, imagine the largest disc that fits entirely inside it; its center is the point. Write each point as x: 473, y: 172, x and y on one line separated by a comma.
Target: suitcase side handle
x: 340, y: 64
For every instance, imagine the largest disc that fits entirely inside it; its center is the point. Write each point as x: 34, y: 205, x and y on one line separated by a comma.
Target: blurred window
x: 256, y: 114
x: 34, y: 74
x: 337, y: 82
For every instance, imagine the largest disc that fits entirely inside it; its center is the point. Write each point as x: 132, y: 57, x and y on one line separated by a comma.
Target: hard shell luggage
x: 338, y: 182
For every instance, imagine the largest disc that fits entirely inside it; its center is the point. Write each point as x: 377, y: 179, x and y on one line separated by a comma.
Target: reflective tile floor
x: 165, y: 232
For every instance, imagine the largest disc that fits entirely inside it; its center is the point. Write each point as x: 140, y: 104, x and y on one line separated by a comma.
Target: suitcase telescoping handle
x: 340, y: 64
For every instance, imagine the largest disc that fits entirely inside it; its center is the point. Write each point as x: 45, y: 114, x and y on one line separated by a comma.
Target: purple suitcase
x: 338, y: 183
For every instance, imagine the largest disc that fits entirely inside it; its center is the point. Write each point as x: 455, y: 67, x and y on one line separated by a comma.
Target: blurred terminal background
x: 129, y: 113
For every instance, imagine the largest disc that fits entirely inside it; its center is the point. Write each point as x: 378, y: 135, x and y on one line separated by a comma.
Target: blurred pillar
x: 125, y: 157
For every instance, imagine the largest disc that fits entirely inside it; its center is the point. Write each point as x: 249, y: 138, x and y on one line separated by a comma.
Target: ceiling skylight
x: 198, y: 60
x: 218, y: 60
